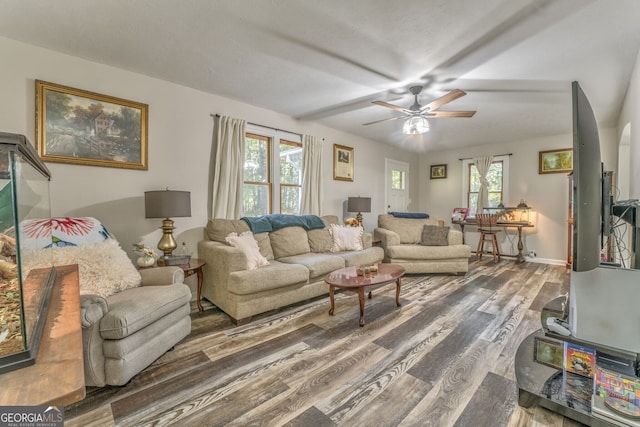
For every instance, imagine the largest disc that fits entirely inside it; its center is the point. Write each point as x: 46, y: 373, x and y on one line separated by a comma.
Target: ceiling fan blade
x: 439, y: 102
x: 440, y: 114
x: 393, y: 107
x: 383, y: 120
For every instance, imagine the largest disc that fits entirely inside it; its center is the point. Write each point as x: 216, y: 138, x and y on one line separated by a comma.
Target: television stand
x: 554, y: 389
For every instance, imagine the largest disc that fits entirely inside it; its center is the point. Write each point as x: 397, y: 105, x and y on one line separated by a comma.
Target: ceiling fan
x: 417, y: 114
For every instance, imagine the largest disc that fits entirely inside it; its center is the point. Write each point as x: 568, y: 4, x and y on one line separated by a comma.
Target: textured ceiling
x: 327, y: 60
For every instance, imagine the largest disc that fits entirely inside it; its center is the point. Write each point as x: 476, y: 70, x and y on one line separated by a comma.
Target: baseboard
x: 545, y: 260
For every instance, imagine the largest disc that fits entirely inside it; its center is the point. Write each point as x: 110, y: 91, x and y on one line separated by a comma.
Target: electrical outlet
x: 532, y: 254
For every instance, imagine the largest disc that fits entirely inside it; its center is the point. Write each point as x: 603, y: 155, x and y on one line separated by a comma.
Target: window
x: 397, y: 179
x: 290, y: 176
x: 256, y: 193
x: 498, y: 183
x: 270, y: 187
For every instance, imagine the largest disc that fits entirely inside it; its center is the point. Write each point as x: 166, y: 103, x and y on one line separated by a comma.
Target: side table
x: 193, y: 267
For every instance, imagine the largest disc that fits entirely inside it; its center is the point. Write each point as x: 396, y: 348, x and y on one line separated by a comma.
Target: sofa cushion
x: 408, y: 229
x: 249, y: 246
x: 420, y: 252
x: 435, y: 235
x: 320, y: 240
x: 218, y: 229
x: 134, y: 309
x: 371, y: 255
x: 346, y: 238
x: 289, y: 241
x: 318, y: 264
x: 272, y: 276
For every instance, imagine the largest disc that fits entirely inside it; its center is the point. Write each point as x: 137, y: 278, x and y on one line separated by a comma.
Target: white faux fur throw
x: 104, y: 267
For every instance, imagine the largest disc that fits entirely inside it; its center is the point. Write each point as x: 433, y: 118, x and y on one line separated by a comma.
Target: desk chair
x: 487, y: 226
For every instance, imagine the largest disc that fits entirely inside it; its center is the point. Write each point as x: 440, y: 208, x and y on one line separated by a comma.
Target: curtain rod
x: 495, y: 155
x: 268, y: 127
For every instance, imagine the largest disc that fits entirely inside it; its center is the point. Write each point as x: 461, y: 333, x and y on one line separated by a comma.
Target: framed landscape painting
x: 342, y: 163
x: 87, y: 128
x: 438, y: 171
x: 556, y: 161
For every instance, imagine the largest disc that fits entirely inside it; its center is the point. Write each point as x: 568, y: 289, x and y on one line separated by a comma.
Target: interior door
x: 397, y: 185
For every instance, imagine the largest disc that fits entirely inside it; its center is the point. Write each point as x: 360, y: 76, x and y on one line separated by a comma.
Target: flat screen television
x: 590, y: 201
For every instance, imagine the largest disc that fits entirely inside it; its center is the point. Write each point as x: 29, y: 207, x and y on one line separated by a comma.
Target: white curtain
x: 483, y: 164
x: 228, y: 174
x: 311, y: 198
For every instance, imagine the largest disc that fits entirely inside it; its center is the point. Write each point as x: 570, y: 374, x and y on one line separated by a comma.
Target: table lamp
x: 167, y: 204
x: 359, y: 204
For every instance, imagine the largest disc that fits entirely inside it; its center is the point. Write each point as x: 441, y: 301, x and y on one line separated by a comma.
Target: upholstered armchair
x: 129, y: 317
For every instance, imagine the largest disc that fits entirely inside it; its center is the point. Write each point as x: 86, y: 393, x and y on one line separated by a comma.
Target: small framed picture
x: 342, y: 163
x: 555, y: 161
x: 549, y: 352
x: 438, y: 171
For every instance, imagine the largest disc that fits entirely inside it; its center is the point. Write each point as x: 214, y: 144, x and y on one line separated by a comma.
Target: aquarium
x: 24, y: 291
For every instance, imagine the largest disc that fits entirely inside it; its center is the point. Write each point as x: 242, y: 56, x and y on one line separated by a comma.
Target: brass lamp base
x: 359, y: 218
x: 167, y: 243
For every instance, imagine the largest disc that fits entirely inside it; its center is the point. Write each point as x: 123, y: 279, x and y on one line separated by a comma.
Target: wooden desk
x: 57, y: 378
x: 518, y: 225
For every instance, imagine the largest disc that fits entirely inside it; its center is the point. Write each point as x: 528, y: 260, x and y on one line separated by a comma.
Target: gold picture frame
x: 438, y: 171
x: 555, y: 161
x: 342, y: 163
x: 86, y: 128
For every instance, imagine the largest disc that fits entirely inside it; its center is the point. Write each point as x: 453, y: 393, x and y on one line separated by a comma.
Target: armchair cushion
x: 134, y: 309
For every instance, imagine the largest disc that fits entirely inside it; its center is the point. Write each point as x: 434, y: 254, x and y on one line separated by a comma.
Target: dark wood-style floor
x: 445, y: 358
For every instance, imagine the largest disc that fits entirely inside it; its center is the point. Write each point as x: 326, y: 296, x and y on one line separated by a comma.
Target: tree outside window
x: 495, y: 178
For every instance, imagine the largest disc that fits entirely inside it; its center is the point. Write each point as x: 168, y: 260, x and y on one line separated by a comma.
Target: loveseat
x: 406, y: 242
x: 298, y: 261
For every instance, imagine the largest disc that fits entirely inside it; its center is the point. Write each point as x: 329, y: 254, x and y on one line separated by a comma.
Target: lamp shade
x: 359, y: 204
x: 415, y: 125
x: 167, y: 204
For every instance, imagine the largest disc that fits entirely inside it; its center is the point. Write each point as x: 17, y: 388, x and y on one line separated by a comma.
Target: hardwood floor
x: 445, y: 358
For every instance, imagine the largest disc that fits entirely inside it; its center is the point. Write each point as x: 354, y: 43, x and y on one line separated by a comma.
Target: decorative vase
x: 145, y: 261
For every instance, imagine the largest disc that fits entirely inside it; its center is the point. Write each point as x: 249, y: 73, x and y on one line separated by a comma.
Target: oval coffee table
x: 347, y: 278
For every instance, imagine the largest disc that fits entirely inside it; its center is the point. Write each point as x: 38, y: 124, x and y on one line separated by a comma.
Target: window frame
x: 282, y: 185
x: 466, y: 176
x: 269, y: 182
x: 275, y: 137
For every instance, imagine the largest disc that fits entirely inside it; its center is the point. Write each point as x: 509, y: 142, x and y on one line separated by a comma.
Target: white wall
x: 630, y: 116
x: 180, y: 134
x: 548, y: 194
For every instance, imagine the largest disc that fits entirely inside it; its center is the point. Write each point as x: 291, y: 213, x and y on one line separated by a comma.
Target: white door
x: 396, y: 186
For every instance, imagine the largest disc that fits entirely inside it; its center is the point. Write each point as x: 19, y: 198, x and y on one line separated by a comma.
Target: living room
x: 181, y: 134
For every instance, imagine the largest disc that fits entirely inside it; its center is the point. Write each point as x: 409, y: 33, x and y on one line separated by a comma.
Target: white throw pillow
x: 346, y: 238
x: 104, y: 268
x: 248, y: 244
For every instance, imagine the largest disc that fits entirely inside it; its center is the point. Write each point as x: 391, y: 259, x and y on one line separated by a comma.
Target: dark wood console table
x: 518, y: 225
x: 57, y: 377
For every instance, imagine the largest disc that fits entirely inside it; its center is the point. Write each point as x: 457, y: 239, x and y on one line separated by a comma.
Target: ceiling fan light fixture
x: 415, y: 125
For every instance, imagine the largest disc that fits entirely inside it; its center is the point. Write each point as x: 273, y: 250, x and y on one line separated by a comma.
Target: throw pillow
x: 435, y: 235
x: 249, y: 246
x: 104, y: 268
x: 346, y: 238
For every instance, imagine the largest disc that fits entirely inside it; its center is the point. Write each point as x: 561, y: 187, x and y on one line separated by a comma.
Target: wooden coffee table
x: 347, y: 278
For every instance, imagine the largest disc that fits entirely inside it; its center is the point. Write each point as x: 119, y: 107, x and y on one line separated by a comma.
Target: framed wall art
x: 556, y: 161
x: 438, y: 171
x: 86, y: 128
x: 342, y: 163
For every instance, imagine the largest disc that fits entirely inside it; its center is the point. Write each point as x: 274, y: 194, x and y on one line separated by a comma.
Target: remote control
x: 558, y: 326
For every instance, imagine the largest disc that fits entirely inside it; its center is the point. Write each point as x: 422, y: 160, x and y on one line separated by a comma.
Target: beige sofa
x: 401, y: 240
x: 299, y: 260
